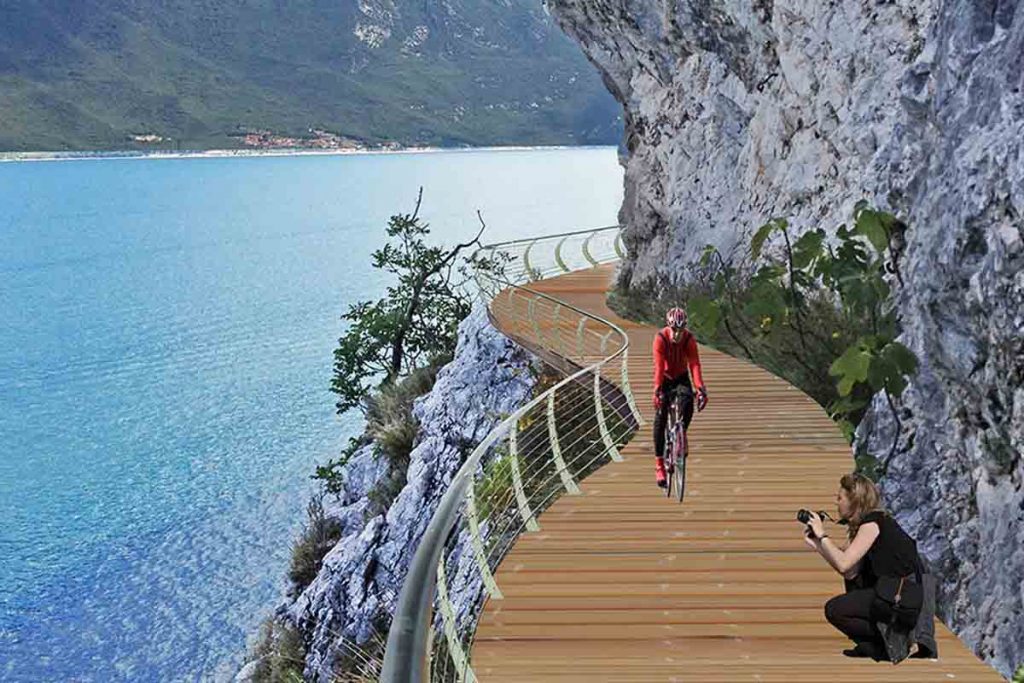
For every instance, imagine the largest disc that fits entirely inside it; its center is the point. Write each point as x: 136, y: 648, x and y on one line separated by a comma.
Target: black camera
x: 804, y: 516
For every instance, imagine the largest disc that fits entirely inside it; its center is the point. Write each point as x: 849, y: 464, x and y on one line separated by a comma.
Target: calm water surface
x: 165, y: 355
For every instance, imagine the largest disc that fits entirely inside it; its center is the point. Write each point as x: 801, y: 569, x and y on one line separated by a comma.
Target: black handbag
x: 901, y: 599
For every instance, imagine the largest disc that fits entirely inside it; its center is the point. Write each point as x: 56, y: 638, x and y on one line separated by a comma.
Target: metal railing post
x: 532, y: 274
x: 556, y: 450
x: 451, y: 628
x: 559, y: 348
x: 606, y: 437
x: 478, y: 544
x: 586, y: 249
x: 517, y: 481
x: 558, y: 255
x: 580, y: 346
x: 627, y: 391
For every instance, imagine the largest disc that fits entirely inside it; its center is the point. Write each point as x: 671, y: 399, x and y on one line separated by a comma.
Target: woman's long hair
x: 863, y: 496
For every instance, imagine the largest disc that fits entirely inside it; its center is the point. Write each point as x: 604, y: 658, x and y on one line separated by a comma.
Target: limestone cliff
x: 361, y: 577
x: 738, y: 111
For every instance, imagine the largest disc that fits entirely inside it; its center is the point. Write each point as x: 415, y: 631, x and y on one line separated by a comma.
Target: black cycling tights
x: 669, y: 389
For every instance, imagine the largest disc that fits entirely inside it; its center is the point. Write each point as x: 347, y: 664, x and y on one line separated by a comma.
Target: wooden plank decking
x: 622, y: 584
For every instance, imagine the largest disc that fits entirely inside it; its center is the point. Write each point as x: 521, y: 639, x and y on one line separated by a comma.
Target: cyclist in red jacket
x: 675, y: 362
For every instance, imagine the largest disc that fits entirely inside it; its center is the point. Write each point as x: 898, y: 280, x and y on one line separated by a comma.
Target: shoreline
x: 14, y: 157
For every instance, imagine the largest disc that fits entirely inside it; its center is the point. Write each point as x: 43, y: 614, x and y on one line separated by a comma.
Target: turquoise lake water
x: 165, y: 356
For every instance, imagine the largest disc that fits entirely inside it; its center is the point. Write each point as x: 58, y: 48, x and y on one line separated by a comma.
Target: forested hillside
x: 91, y: 74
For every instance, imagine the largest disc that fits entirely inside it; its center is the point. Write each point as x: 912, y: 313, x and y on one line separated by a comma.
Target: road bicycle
x: 677, y: 448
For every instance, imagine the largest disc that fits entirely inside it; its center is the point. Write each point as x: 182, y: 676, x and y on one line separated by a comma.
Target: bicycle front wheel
x: 675, y: 457
x: 669, y: 478
x: 680, y: 477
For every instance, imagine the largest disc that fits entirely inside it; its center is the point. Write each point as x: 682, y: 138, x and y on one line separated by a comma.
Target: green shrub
x: 389, y: 419
x: 816, y: 312
x: 415, y: 321
x: 383, y: 494
x: 320, y: 535
x: 362, y: 663
x: 393, y: 428
x: 494, y: 490
x: 773, y: 347
x: 868, y: 465
x: 1001, y: 455
x: 280, y: 653
x: 332, y: 474
x: 1018, y: 676
x: 390, y: 424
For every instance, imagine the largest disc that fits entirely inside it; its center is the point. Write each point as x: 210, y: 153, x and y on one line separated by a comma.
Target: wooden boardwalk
x: 623, y: 584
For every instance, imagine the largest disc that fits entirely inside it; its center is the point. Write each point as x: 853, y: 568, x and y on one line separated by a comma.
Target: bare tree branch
x: 419, y: 200
x: 422, y: 278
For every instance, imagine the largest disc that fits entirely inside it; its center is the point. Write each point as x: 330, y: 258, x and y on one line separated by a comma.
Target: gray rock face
x: 738, y: 111
x: 362, y: 576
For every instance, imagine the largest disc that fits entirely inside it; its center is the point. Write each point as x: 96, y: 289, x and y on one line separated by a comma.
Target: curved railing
x: 534, y: 456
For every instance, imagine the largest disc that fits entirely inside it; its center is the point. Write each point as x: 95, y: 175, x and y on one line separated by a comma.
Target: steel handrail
x: 408, y: 644
x: 573, y: 233
x: 599, y: 433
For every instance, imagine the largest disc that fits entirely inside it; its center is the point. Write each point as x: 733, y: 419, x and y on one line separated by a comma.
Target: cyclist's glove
x: 657, y: 400
x: 702, y: 399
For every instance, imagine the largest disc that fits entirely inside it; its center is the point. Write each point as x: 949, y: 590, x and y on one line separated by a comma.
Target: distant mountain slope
x: 90, y: 73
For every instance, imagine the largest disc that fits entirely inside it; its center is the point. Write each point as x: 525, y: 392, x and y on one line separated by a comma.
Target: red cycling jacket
x: 672, y: 359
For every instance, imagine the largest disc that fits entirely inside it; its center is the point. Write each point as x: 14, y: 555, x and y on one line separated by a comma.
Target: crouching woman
x: 883, y: 610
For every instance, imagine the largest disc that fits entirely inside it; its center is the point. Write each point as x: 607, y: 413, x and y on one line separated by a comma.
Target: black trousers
x: 669, y: 389
x: 852, y: 614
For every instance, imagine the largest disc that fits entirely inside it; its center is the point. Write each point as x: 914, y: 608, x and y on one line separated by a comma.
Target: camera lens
x: 803, y: 516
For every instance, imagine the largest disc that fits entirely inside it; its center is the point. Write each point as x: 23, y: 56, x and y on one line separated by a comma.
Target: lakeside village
x: 269, y: 140
x: 255, y: 142
x: 317, y: 139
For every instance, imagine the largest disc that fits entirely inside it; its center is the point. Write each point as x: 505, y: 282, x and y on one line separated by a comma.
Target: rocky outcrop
x: 355, y: 590
x: 740, y: 111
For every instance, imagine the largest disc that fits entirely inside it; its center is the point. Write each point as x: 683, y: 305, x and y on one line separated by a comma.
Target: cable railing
x: 582, y: 414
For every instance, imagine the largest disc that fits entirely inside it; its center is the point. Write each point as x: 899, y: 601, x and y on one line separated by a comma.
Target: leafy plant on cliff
x: 389, y: 418
x: 413, y: 323
x: 392, y: 428
x: 360, y: 663
x: 331, y: 472
x: 279, y: 654
x: 850, y: 273
x: 393, y: 347
x: 494, y: 490
x: 1018, y: 675
x: 816, y: 310
x: 319, y: 536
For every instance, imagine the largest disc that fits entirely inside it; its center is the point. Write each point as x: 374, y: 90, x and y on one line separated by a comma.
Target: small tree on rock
x: 414, y: 324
